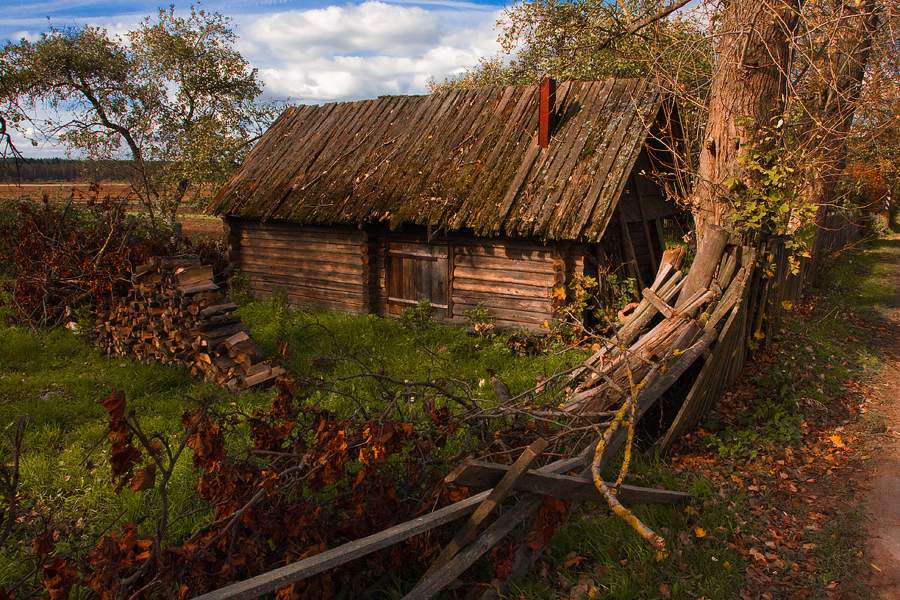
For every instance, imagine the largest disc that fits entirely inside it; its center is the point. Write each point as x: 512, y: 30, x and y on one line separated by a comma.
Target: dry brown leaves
x: 793, y: 495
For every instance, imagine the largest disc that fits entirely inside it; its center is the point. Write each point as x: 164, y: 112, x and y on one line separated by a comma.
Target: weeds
x: 418, y: 317
x: 480, y: 320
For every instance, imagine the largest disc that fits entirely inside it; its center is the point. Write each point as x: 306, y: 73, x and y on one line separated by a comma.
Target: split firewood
x: 175, y: 313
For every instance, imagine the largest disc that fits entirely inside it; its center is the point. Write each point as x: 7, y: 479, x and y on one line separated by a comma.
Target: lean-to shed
x: 489, y: 197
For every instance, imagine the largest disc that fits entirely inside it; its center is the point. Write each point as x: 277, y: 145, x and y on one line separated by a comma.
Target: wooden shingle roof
x: 461, y: 159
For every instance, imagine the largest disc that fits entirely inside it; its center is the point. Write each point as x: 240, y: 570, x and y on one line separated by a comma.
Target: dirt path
x: 882, y: 502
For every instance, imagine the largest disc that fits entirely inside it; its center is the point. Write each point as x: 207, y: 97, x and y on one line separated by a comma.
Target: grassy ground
x: 54, y: 380
x: 750, y: 528
x: 340, y: 348
x: 774, y: 472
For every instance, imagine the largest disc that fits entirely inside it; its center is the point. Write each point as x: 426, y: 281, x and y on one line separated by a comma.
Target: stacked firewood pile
x: 175, y: 313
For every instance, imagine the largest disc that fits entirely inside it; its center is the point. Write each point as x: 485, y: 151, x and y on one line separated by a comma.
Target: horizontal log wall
x: 345, y: 270
x: 513, y: 280
x: 314, y: 266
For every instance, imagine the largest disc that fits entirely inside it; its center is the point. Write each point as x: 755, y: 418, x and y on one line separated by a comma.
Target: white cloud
x: 339, y: 52
x: 364, y: 50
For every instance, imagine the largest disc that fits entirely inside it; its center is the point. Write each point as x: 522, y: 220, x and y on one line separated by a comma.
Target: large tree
x: 174, y: 96
x: 748, y: 96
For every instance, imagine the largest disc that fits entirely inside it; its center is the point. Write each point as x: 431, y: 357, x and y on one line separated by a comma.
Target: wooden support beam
x: 502, y: 486
x: 654, y: 261
x: 629, y: 251
x: 657, y: 302
x: 479, y: 474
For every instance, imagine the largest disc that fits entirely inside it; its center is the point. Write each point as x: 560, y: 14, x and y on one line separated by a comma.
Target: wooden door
x: 418, y: 271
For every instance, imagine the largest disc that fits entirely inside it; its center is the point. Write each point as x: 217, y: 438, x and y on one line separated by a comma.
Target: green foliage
x: 83, y: 318
x: 418, y: 317
x: 480, y: 320
x: 581, y: 40
x: 175, y: 95
x: 239, y: 290
x: 767, y: 197
x: 589, y: 303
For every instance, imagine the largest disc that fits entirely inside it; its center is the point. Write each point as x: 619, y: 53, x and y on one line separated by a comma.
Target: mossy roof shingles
x: 460, y: 159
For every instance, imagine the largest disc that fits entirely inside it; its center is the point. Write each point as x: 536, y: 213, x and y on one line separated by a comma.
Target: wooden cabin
x: 488, y: 197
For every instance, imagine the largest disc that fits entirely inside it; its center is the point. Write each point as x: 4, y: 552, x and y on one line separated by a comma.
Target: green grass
x: 342, y: 348
x: 55, y: 380
x: 803, y: 379
x: 618, y: 564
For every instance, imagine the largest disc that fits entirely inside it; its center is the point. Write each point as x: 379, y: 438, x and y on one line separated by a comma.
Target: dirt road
x: 883, y: 499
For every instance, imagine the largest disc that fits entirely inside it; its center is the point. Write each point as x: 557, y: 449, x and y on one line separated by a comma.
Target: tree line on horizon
x: 30, y: 170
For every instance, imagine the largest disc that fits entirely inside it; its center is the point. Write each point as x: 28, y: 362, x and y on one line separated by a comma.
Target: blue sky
x: 307, y: 50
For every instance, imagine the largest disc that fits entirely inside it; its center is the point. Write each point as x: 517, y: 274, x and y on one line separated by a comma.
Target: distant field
x: 193, y: 221
x: 63, y: 190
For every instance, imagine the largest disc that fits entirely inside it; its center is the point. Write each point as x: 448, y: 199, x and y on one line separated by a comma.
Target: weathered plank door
x: 418, y: 271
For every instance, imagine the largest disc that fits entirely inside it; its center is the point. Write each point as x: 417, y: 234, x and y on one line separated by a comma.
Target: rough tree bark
x: 748, y: 91
x: 837, y: 73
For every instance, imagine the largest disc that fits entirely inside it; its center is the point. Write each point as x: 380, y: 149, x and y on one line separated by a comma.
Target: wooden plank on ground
x: 491, y: 536
x: 479, y: 474
x: 335, y: 557
x: 501, y: 488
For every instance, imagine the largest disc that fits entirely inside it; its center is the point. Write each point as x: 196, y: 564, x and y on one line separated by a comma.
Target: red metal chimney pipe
x: 546, y: 113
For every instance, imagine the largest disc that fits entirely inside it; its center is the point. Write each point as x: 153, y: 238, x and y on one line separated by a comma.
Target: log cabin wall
x: 321, y: 267
x: 384, y: 272
x: 513, y: 279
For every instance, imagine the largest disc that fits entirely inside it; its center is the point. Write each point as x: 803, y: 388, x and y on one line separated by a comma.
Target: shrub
x: 9, y: 222
x: 65, y: 256
x: 480, y: 320
x: 589, y: 304
x: 418, y: 317
x: 239, y: 288
x: 60, y: 257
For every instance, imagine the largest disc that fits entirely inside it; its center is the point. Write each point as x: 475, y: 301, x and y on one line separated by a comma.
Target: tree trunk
x: 748, y: 92
x: 836, y: 77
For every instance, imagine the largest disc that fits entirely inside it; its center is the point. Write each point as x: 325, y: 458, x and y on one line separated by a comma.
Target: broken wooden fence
x: 703, y: 317
x: 545, y: 481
